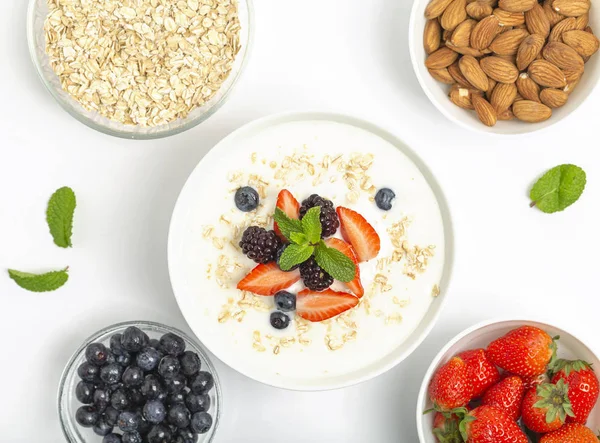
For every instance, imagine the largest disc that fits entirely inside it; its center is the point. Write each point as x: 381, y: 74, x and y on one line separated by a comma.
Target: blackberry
x: 315, y: 278
x: 260, y: 245
x: 329, y: 218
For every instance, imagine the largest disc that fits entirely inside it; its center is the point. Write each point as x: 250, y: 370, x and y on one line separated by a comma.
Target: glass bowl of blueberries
x: 139, y: 382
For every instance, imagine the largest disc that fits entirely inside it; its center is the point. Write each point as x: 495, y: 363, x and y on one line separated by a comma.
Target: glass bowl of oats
x: 144, y: 69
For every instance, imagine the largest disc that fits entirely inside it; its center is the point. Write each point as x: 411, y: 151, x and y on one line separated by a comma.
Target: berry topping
x: 359, y: 233
x: 260, y: 245
x: 314, y: 277
x: 355, y: 285
x: 279, y: 320
x: 246, y: 199
x: 329, y: 219
x: 319, y: 306
x: 384, y: 198
x: 285, y: 301
x: 268, y: 280
x: 289, y: 205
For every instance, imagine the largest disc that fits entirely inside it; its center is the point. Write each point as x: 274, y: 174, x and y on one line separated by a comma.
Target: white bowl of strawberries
x: 511, y: 381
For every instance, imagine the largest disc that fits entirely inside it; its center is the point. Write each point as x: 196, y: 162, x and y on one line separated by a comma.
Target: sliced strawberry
x: 355, y: 285
x: 359, y: 233
x: 268, y: 279
x: 288, y: 204
x: 319, y: 306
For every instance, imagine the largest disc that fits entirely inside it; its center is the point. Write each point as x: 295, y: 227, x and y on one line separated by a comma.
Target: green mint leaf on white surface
x: 558, y: 188
x: 299, y: 238
x: 49, y: 281
x: 294, y: 255
x: 335, y: 263
x: 286, y: 225
x: 311, y: 224
x: 59, y: 216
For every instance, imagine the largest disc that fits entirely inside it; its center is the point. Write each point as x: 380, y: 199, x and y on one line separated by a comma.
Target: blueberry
x: 148, y: 358
x: 111, y: 415
x: 285, y: 301
x: 246, y: 199
x: 152, y: 387
x: 278, y: 257
x: 132, y: 376
x: 190, y: 363
x: 102, y: 428
x: 175, y: 384
x: 129, y: 421
x: 159, y: 434
x: 87, y: 416
x: 115, y: 344
x: 201, y: 422
x: 112, y: 438
x: 119, y: 400
x: 124, y: 359
x: 172, y: 344
x: 89, y: 372
x: 384, y: 198
x: 178, y: 397
x: 201, y: 382
x: 134, y: 339
x: 179, y: 416
x: 186, y: 436
x: 155, y: 411
x: 197, y: 402
x: 132, y: 437
x: 136, y: 397
x: 279, y: 320
x: 154, y: 343
x: 169, y: 367
x: 111, y: 373
x: 84, y: 392
x: 102, y: 399
x: 96, y: 354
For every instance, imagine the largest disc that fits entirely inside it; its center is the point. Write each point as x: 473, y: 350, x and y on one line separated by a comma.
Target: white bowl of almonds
x: 505, y: 66
x: 140, y: 69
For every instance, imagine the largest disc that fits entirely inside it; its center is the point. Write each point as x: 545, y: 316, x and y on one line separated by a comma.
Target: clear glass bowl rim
x: 66, y: 422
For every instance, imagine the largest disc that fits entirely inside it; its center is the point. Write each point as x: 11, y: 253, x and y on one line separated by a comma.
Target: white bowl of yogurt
x: 310, y: 153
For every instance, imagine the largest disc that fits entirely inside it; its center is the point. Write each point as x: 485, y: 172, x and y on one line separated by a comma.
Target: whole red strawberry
x: 445, y: 427
x: 487, y: 424
x: 525, y: 351
x: 545, y: 408
x: 507, y: 395
x: 482, y: 371
x: 583, y: 387
x: 571, y: 433
x: 450, y: 386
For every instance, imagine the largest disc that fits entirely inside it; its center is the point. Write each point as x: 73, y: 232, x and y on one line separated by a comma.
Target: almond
x: 563, y: 56
x: 499, y: 69
x: 518, y: 98
x: 537, y: 22
x: 531, y: 112
x: 568, y: 24
x: 506, y: 18
x: 479, y: 10
x: 458, y: 77
x: 442, y: 75
x: 485, y: 111
x: 572, y: 80
x: 585, y: 43
x: 454, y: 15
x: 506, y: 115
x: 435, y: 8
x: 527, y: 88
x: 529, y: 49
x: 488, y: 93
x: 466, y: 50
x: 509, y: 58
x: 517, y: 5
x: 461, y: 97
x: 508, y: 42
x: 484, y: 32
x: 554, y: 98
x: 546, y: 74
x: 582, y: 21
x: 442, y: 58
x: 572, y: 8
x: 462, y: 34
x: 553, y: 16
x: 469, y: 66
x: 432, y: 36
x: 503, y: 96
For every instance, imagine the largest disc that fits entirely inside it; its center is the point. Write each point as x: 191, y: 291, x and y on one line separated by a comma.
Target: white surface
x: 378, y: 346
x: 327, y: 55
x: 480, y: 336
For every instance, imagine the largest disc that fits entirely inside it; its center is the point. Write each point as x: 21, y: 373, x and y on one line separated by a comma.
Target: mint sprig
x: 59, y: 216
x: 335, y: 263
x: 287, y: 225
x: 295, y: 254
x: 558, y: 188
x: 311, y: 224
x: 49, y: 281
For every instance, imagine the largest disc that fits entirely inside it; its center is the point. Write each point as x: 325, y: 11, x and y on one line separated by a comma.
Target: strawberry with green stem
x: 487, y: 424
x: 583, y: 387
x: 546, y: 407
x: 445, y: 426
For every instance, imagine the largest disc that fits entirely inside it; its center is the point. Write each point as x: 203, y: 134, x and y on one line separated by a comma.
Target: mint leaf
x: 558, y: 188
x: 49, y: 281
x: 298, y: 238
x: 311, y: 224
x: 335, y: 263
x: 294, y: 255
x: 286, y: 225
x: 59, y: 216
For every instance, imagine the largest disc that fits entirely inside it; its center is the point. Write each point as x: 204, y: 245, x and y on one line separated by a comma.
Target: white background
x: 349, y: 56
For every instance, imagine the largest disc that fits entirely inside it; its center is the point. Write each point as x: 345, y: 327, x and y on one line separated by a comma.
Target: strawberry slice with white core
x: 320, y: 306
x: 288, y: 204
x: 357, y: 231
x: 355, y: 285
x: 268, y: 279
